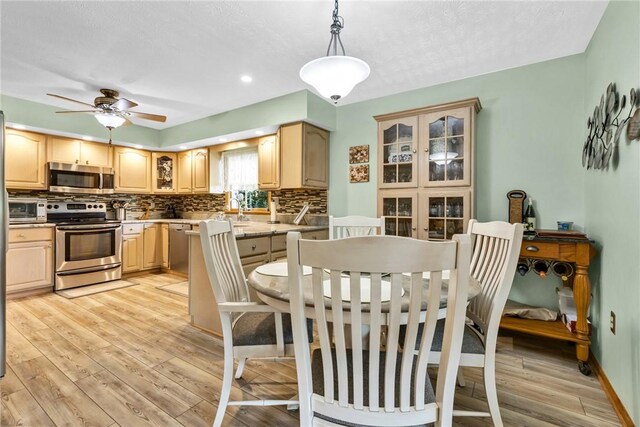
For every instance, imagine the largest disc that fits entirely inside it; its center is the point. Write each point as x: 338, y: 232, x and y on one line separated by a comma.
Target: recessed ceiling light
x: 16, y: 126
x: 137, y: 146
x: 259, y: 132
x: 183, y: 147
x: 87, y: 138
x: 246, y: 78
x: 223, y: 139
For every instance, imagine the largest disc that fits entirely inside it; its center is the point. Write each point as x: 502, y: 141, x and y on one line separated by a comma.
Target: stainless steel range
x: 88, y: 245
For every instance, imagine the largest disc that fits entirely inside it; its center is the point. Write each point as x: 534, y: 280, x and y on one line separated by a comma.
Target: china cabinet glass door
x: 445, y: 148
x: 399, y: 210
x: 444, y: 213
x: 397, y: 153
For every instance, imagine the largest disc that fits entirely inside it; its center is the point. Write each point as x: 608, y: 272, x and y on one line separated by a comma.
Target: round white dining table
x: 273, y: 289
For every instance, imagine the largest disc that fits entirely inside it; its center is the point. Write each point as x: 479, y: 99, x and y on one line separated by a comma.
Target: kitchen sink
x: 241, y: 225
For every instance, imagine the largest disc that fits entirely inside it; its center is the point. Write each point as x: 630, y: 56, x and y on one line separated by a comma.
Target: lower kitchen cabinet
x: 29, y: 260
x: 164, y: 233
x: 152, y: 246
x: 132, y: 253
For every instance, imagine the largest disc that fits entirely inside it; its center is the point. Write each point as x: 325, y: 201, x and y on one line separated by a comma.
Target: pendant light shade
x: 109, y: 120
x: 335, y: 75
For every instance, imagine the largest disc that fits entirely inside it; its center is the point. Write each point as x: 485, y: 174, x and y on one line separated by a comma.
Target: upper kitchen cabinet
x: 193, y: 171
x: 68, y: 150
x: 163, y: 172
x: 269, y: 162
x: 25, y: 160
x: 397, y: 149
x: 304, y: 156
x: 133, y: 170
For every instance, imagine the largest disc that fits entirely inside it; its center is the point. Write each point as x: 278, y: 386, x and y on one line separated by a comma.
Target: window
x: 240, y: 169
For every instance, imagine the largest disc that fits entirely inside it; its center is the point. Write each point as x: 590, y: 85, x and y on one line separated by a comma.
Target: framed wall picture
x: 359, y: 154
x: 359, y: 173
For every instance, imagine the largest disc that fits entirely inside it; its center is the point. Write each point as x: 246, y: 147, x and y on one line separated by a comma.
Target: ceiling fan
x: 111, y: 111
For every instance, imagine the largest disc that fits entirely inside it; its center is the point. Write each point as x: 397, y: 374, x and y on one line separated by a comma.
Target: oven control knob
x: 101, y: 206
x: 48, y: 206
x: 55, y: 206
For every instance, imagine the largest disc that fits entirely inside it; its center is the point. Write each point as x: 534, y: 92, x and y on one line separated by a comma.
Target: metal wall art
x: 603, y: 138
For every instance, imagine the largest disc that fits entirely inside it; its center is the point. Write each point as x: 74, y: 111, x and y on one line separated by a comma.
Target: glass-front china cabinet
x: 425, y: 173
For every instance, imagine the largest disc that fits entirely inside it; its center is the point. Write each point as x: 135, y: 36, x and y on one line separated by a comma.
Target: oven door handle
x: 88, y: 270
x: 89, y: 227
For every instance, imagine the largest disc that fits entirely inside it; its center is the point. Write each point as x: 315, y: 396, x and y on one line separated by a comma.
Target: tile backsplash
x: 289, y: 201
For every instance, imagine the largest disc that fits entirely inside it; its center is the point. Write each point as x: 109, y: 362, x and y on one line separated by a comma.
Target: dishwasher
x: 179, y: 248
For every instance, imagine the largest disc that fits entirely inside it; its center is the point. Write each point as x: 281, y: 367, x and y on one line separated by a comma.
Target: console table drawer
x: 539, y: 250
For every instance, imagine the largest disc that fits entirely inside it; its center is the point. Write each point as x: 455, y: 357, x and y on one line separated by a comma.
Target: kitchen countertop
x: 256, y: 228
x: 32, y: 225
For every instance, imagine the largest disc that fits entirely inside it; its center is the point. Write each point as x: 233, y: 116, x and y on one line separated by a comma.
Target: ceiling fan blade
x: 154, y: 117
x: 78, y: 111
x: 72, y: 100
x: 123, y: 104
x: 127, y: 122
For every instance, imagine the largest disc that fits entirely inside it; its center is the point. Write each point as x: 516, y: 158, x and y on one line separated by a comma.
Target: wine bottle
x: 530, y: 218
x: 523, y: 267
x: 541, y: 268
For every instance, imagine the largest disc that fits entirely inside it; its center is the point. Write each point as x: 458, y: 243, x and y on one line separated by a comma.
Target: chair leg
x: 491, y: 391
x: 225, y: 391
x: 461, y: 381
x: 240, y: 369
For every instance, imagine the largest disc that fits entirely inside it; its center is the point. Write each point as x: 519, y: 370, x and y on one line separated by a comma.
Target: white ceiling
x: 185, y: 59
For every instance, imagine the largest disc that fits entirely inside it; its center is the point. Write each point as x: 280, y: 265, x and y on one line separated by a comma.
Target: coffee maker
x: 170, y: 211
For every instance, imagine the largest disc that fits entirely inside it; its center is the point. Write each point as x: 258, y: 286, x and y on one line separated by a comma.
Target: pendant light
x: 335, y: 75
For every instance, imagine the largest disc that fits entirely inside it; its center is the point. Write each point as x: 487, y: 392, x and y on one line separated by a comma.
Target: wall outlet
x: 152, y: 205
x: 612, y: 322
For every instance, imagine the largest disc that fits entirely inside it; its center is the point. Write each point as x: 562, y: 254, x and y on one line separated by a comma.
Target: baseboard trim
x: 621, y: 411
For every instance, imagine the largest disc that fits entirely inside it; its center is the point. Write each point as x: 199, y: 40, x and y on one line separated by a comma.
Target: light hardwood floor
x: 130, y: 358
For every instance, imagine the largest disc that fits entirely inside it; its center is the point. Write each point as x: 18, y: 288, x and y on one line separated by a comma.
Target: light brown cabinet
x: 68, y: 150
x: 426, y: 170
x: 133, y: 170
x: 164, y: 168
x: 193, y: 171
x: 25, y: 160
x: 269, y: 162
x: 304, y: 156
x: 152, y: 246
x: 29, y: 260
x: 132, y: 253
x: 164, y: 235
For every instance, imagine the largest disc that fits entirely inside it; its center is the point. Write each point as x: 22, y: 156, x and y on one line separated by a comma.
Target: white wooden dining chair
x: 496, y: 247
x: 249, y: 329
x: 353, y: 226
x: 374, y: 384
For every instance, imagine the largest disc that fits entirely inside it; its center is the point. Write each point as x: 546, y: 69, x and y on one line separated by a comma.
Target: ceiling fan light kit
x: 110, y: 120
x: 335, y: 75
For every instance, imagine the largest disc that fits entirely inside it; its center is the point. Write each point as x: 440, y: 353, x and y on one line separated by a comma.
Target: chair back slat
x: 222, y: 260
x: 495, y: 255
x: 381, y: 299
x: 354, y: 226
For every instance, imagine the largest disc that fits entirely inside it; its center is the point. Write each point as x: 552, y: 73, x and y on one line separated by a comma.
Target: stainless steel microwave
x: 72, y: 178
x: 27, y: 210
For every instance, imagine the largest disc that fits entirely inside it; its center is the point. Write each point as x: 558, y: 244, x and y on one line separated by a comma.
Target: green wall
x: 528, y: 137
x: 612, y: 206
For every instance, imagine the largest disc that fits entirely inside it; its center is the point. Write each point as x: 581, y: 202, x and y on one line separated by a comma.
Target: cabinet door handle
x: 253, y: 247
x: 414, y: 228
x: 76, y: 161
x: 532, y: 248
x: 414, y: 151
x: 426, y: 229
x: 21, y: 235
x: 86, y: 162
x: 426, y: 150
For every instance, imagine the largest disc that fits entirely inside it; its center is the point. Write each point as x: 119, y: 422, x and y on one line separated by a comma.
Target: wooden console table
x: 579, y: 252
